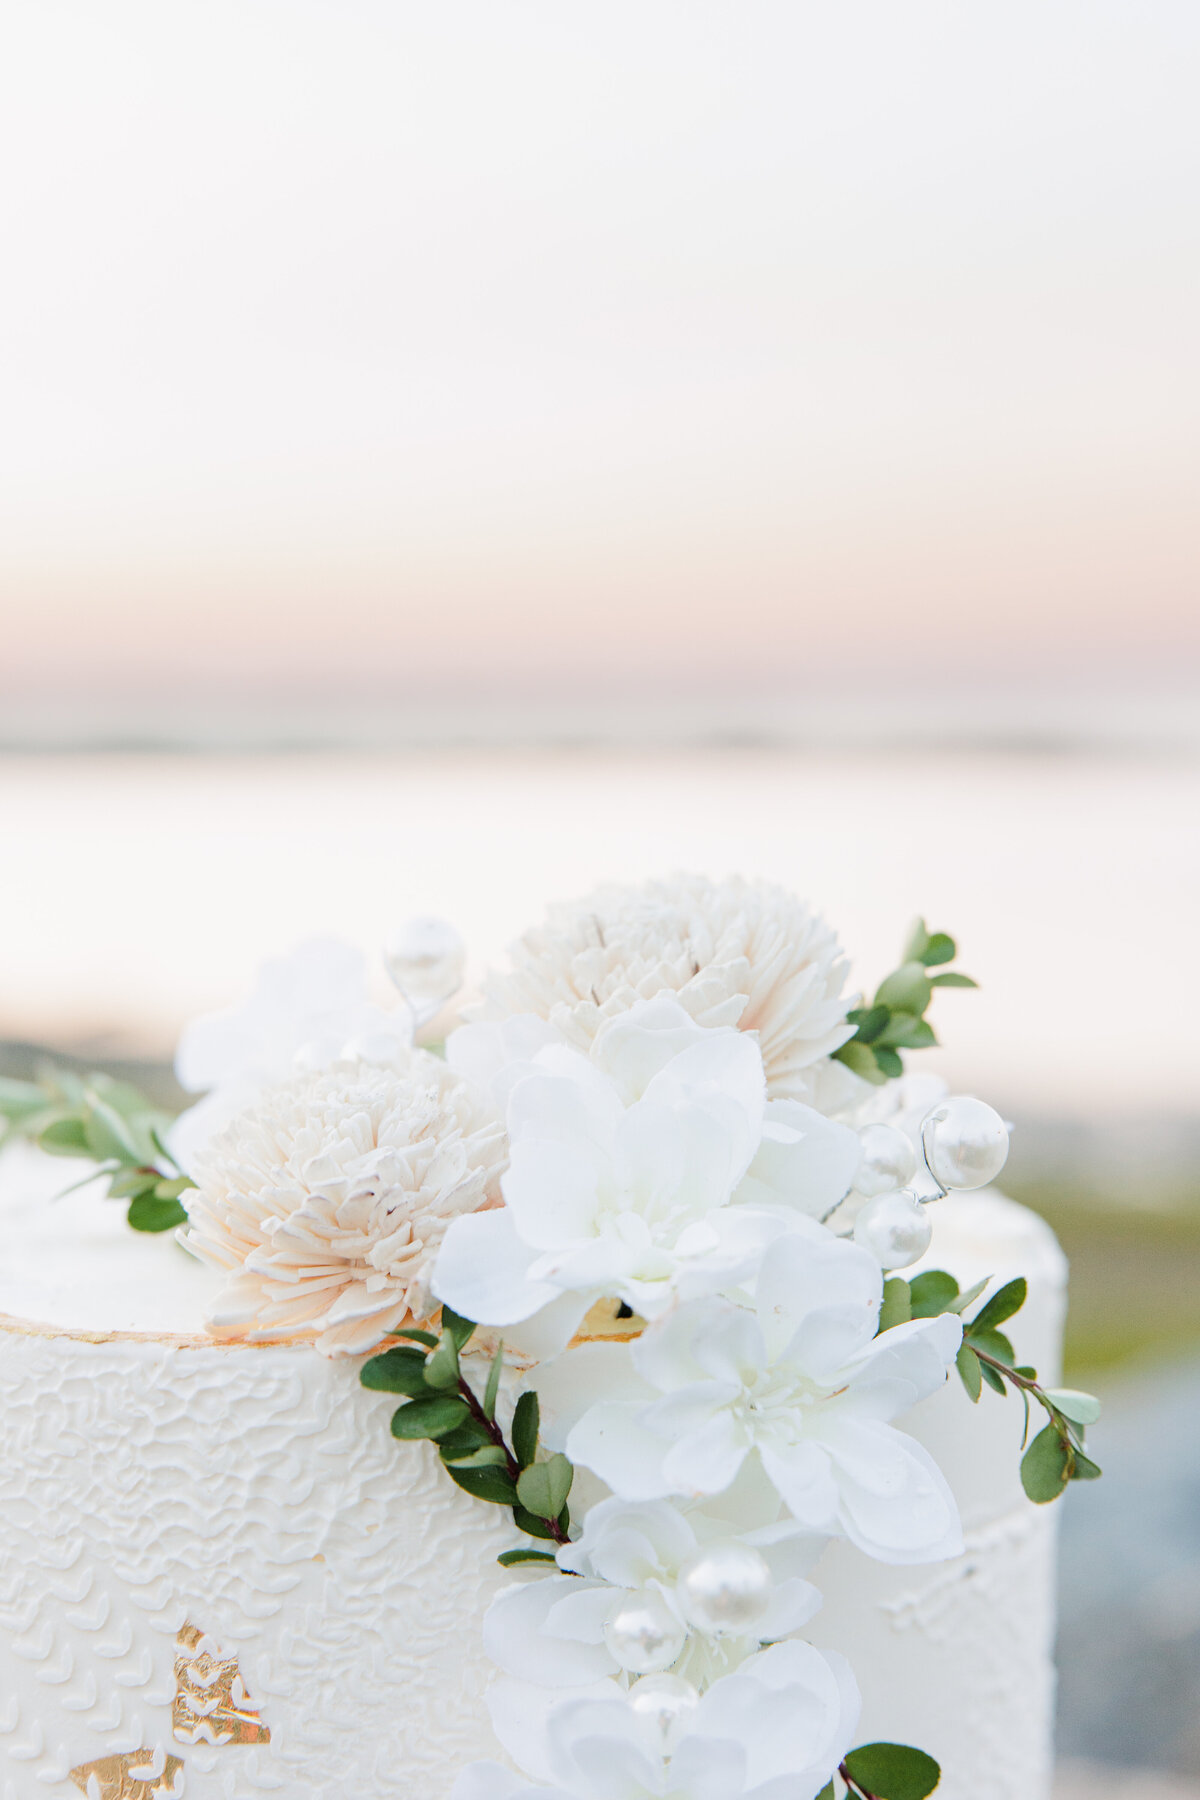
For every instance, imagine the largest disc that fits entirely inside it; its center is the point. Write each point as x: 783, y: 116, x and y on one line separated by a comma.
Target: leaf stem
x: 855, y: 1787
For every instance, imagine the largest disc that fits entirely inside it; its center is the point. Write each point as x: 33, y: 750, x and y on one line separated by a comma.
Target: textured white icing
x: 256, y: 1493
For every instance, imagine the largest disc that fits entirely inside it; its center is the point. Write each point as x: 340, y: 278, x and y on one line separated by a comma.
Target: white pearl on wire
x: 895, y: 1228
x: 888, y: 1160
x: 965, y: 1143
x: 725, y: 1587
x: 665, y: 1699
x: 425, y: 959
x: 644, y: 1635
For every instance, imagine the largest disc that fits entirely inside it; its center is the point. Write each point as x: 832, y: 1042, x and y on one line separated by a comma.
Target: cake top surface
x: 70, y: 1261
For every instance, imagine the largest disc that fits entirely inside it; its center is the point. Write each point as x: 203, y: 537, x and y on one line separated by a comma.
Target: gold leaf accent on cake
x: 132, y: 1775
x: 211, y: 1703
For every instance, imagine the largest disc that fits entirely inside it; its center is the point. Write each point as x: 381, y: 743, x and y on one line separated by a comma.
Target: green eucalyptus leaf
x: 148, y: 1214
x: 905, y: 1031
x: 429, y: 1418
x: 918, y: 938
x: 460, y: 1329
x: 491, y: 1456
x: 419, y: 1337
x: 952, y: 978
x: 168, y: 1189
x: 1045, y: 1466
x: 398, y: 1371
x: 906, y: 989
x: 543, y: 1487
x: 1002, y: 1305
x: 994, y: 1380
x: 860, y: 1061
x: 464, y: 1440
x: 871, y: 1021
x: 64, y: 1137
x: 494, y: 1485
x: 932, y: 1293
x: 1080, y: 1408
x: 441, y: 1367
x: 507, y: 1558
x: 126, y: 1183
x: 972, y: 1294
x: 492, y: 1390
x: 940, y: 948
x: 826, y: 1792
x: 109, y: 1135
x: 1084, y: 1469
x: 970, y: 1369
x: 888, y: 1062
x: 530, y: 1523
x: 896, y: 1308
x: 525, y: 1426
x: 994, y: 1343
x: 893, y: 1771
x: 21, y: 1100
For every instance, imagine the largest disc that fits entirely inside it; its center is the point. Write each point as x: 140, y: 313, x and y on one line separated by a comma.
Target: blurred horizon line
x: 1006, y: 717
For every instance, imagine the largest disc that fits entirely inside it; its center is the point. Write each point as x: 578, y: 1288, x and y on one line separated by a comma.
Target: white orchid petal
x: 522, y: 1636
x: 612, y: 1441
x: 804, y: 1161
x: 804, y: 1477
x: 894, y: 1502
x: 707, y: 1459
x: 482, y: 1271
x: 818, y: 1300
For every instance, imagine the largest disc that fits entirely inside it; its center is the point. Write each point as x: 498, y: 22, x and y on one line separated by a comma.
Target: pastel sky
x: 659, y: 342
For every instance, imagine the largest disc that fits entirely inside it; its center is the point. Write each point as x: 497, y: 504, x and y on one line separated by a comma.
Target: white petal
x: 804, y: 1477
x: 488, y: 1781
x: 634, y: 1046
x: 521, y: 1713
x: 568, y: 1385
x: 804, y: 1161
x: 894, y: 1501
x: 701, y: 1340
x: 904, y: 1365
x: 721, y: 1075
x: 818, y: 1299
x: 793, y: 1603
x: 612, y: 1441
x: 482, y: 1271
x: 552, y: 1190
x: 521, y: 1637
x: 551, y: 1328
x: 706, y: 1461
x: 491, y: 1054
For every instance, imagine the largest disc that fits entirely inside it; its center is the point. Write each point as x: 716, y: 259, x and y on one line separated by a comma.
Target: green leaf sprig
x: 442, y: 1405
x: 885, y: 1772
x: 895, y: 1019
x: 986, y: 1358
x: 111, y: 1124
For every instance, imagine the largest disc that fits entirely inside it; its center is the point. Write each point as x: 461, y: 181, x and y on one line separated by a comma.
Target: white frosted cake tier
x: 206, y: 1542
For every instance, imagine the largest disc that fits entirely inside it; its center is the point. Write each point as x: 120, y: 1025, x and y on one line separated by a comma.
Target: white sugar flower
x: 555, y: 1630
x: 802, y: 1384
x: 326, y: 1202
x: 733, y: 952
x: 624, y: 1164
x: 775, y: 1730
x: 308, y: 1009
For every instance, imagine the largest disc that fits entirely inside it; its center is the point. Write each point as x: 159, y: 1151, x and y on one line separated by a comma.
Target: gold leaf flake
x: 132, y: 1775
x: 211, y: 1703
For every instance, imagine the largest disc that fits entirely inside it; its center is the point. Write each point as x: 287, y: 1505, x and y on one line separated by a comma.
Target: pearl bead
x: 644, y: 1635
x: 888, y: 1160
x: 666, y: 1700
x: 895, y: 1228
x: 425, y: 958
x: 965, y: 1143
x: 725, y: 1588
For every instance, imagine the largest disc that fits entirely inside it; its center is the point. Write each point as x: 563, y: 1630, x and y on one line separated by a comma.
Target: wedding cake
x: 620, y: 1272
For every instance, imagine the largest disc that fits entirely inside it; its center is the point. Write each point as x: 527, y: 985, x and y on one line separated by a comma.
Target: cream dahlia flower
x: 327, y: 1200
x: 733, y: 952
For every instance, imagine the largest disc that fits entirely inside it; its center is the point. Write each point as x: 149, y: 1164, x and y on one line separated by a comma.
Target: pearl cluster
x: 964, y: 1143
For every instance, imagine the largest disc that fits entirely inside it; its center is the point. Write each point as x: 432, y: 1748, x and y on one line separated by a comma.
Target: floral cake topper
x: 626, y: 1250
